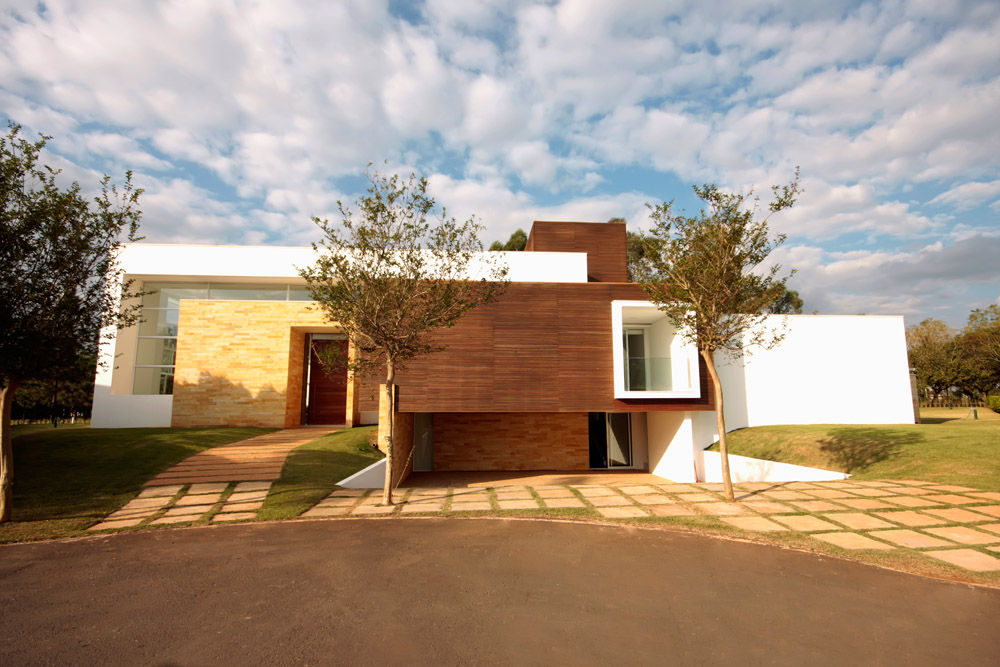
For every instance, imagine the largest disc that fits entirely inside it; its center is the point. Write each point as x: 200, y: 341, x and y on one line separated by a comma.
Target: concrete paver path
x: 447, y: 591
x: 951, y: 524
x: 255, y: 459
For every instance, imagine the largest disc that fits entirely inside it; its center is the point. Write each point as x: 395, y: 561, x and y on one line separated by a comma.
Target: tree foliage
x: 65, y: 395
x: 967, y: 361
x: 707, y: 269
x: 518, y: 239
x: 57, y: 250
x: 933, y: 354
x: 390, y: 276
x: 789, y: 303
x: 638, y: 249
x: 707, y: 274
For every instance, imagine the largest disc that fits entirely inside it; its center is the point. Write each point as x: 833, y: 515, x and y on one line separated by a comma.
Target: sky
x: 243, y: 120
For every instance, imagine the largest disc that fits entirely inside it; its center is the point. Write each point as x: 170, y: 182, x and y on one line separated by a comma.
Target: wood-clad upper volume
x: 541, y: 347
x: 604, y: 243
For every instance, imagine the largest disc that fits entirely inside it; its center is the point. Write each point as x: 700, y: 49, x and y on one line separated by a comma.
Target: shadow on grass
x: 313, y: 470
x: 856, y: 449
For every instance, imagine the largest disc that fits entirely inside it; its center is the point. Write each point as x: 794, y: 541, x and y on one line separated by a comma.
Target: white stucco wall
x: 827, y: 370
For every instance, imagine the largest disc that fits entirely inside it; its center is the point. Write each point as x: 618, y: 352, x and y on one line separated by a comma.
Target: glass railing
x: 657, y: 374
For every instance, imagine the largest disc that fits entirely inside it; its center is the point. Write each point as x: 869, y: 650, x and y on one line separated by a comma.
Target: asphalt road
x: 444, y: 591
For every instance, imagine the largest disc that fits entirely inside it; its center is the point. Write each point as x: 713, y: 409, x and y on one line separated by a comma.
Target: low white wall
x: 746, y: 469
x: 129, y: 411
x: 372, y: 477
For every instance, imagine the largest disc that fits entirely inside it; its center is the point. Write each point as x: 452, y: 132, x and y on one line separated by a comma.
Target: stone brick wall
x: 511, y: 441
x: 240, y: 363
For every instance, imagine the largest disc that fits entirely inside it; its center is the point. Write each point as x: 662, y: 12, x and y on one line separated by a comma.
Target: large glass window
x: 156, y: 350
x: 224, y: 292
x: 157, y: 344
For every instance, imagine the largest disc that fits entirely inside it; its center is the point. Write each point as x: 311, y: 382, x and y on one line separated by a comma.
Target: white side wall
x: 828, y: 370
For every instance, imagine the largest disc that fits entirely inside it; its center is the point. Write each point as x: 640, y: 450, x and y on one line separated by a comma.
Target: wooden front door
x: 327, y: 389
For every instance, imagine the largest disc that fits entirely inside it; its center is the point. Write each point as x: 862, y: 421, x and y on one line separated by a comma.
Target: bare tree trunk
x: 720, y: 420
x: 6, y: 452
x: 390, y: 387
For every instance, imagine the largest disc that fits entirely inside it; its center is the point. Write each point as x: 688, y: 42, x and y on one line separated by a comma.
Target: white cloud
x: 967, y: 195
x: 532, y: 109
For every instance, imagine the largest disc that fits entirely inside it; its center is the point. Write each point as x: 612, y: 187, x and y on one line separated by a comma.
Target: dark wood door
x: 327, y: 389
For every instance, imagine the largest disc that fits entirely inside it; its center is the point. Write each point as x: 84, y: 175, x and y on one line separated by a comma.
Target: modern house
x: 571, y: 369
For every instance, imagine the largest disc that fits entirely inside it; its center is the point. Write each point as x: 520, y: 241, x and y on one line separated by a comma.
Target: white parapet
x: 184, y: 262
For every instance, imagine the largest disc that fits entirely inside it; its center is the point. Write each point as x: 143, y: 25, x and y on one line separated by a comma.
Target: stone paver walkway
x: 253, y: 460
x: 181, y: 503
x: 953, y: 524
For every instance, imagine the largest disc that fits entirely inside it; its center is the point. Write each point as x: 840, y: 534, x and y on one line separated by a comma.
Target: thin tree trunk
x: 720, y: 420
x: 6, y: 452
x: 390, y: 387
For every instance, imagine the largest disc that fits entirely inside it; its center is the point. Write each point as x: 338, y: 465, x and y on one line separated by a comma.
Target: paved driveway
x: 450, y: 591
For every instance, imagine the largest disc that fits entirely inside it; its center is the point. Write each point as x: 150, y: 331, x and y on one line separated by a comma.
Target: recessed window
x: 651, y: 358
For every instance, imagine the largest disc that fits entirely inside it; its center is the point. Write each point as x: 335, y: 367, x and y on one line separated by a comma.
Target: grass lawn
x: 313, y: 470
x: 946, y: 448
x: 67, y: 478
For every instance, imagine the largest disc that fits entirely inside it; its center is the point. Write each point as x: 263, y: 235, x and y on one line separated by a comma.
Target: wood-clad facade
x: 541, y: 347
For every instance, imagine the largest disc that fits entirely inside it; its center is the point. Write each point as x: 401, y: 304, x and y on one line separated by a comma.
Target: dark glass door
x: 610, y: 440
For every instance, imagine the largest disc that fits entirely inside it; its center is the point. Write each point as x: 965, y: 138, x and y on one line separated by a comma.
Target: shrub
x: 993, y: 402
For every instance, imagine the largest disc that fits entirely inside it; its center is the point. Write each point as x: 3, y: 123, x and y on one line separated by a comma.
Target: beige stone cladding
x: 240, y: 363
x: 511, y: 441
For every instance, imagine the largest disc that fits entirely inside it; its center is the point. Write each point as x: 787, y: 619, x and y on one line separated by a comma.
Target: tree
x: 68, y: 394
x: 390, y: 278
x: 516, y: 242
x: 789, y: 303
x: 933, y: 355
x: 58, y: 253
x: 978, y: 353
x: 985, y: 323
x: 707, y: 277
x: 638, y: 248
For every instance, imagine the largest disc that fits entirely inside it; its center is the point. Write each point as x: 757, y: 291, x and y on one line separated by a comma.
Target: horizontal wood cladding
x: 604, y: 243
x: 542, y: 347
